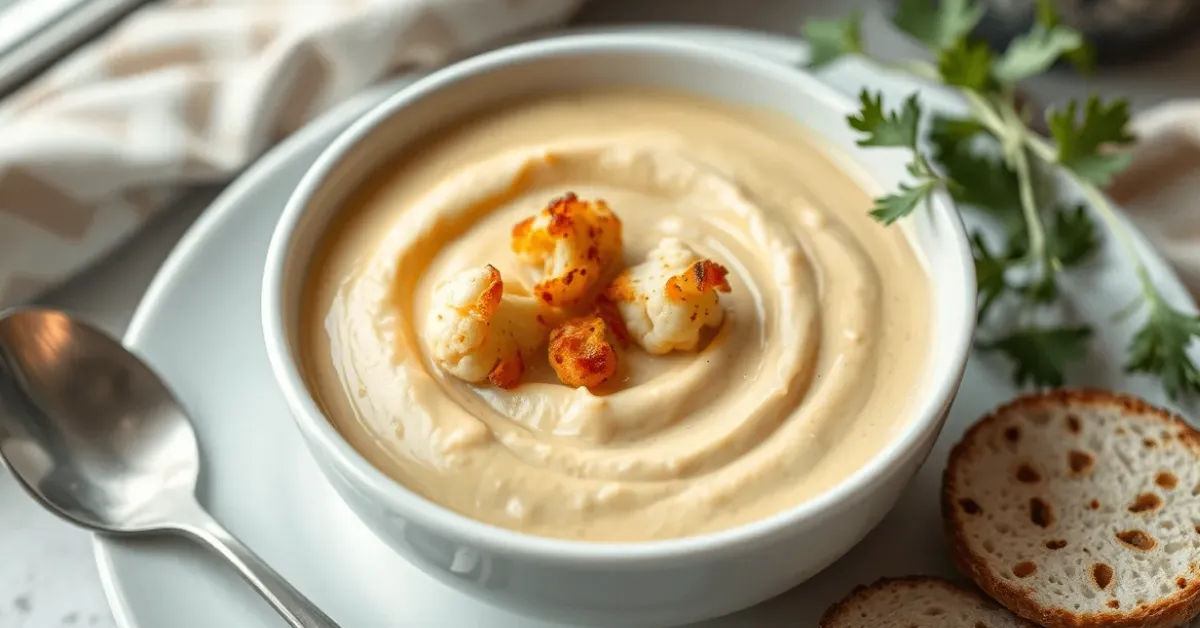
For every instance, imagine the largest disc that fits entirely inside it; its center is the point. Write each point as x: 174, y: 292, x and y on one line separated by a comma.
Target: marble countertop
x: 48, y: 576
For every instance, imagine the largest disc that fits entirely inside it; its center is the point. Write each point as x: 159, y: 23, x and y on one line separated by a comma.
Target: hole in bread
x: 1094, y: 504
x: 1149, y: 443
x: 969, y: 506
x: 1026, y: 474
x: 1012, y: 434
x: 1166, y: 479
x: 1074, y: 425
x: 1171, y: 548
x: 1102, y: 575
x: 935, y: 611
x: 1120, y: 431
x: 989, y: 547
x: 1114, y: 604
x: 1040, y: 513
x: 1196, y: 490
x: 1146, y: 502
x: 1136, y: 539
x: 1056, y: 544
x: 1024, y: 569
x: 980, y: 624
x: 1080, y: 462
x: 1181, y: 583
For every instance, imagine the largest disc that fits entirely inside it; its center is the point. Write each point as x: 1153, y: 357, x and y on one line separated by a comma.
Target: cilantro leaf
x: 1160, y: 348
x: 990, y: 273
x: 829, y: 40
x: 967, y: 64
x: 937, y: 24
x: 1040, y: 355
x: 893, y: 207
x: 1046, y: 13
x: 1083, y: 57
x: 1071, y: 235
x: 950, y: 132
x: 1083, y: 147
x: 982, y: 181
x: 1034, y: 52
x: 1071, y: 238
x: 896, y: 128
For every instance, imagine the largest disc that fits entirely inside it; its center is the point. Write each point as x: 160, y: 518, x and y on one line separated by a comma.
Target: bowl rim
x: 948, y: 368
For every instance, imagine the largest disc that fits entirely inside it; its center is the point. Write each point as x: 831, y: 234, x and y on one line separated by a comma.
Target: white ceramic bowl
x: 653, y: 583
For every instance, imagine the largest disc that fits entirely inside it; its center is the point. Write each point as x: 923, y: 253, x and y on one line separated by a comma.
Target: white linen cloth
x: 192, y: 91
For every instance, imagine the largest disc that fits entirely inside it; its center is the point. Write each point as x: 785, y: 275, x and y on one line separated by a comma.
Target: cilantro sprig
x: 993, y: 163
x: 897, y: 129
x: 1081, y: 145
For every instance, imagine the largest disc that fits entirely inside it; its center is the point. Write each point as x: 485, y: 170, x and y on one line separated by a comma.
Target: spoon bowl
x: 88, y: 428
x: 93, y: 434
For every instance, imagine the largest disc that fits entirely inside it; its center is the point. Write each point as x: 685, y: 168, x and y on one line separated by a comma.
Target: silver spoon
x: 95, y: 436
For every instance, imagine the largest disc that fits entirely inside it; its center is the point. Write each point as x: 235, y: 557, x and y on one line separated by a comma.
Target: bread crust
x: 842, y: 610
x: 1168, y: 612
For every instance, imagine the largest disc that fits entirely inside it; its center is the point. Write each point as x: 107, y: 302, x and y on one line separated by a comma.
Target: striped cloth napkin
x: 192, y: 91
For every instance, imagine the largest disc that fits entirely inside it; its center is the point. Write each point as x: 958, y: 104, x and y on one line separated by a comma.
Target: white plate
x: 199, y: 326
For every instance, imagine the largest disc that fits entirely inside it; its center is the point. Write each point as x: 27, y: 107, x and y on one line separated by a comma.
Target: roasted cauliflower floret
x: 575, y: 242
x: 666, y: 301
x: 582, y: 349
x: 480, y: 333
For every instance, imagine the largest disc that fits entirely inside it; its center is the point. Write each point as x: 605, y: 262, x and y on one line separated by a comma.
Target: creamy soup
x: 812, y: 371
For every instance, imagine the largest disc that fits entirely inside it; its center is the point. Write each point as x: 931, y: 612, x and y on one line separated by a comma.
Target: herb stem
x: 1094, y: 197
x: 1040, y: 147
x: 1004, y: 122
x: 1033, y: 221
x: 987, y: 114
x: 1118, y: 226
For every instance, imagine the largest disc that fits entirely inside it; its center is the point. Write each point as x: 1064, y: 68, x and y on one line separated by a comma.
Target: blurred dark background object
x: 1121, y: 31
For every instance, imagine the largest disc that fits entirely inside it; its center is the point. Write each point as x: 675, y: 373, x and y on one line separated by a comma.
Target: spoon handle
x: 283, y: 597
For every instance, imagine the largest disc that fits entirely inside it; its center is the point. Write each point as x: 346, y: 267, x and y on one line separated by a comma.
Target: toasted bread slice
x: 1079, y: 508
x: 922, y: 601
